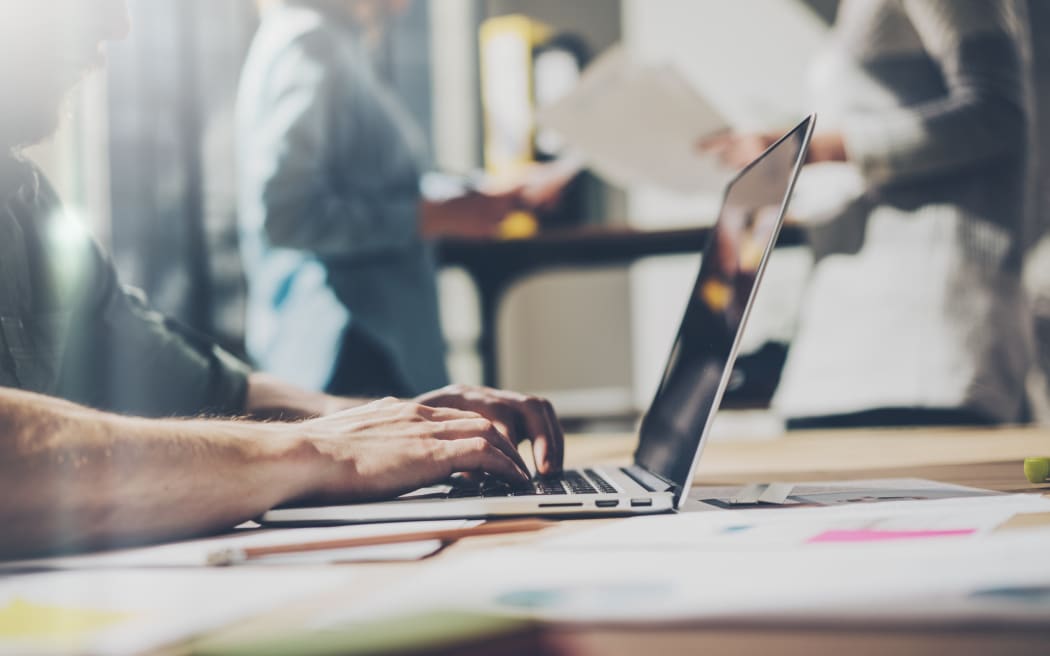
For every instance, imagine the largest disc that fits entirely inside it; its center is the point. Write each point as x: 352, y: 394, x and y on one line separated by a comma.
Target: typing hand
x: 519, y: 417
x: 390, y: 447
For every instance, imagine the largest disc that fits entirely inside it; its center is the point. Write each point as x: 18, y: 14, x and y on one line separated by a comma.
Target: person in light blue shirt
x: 341, y: 283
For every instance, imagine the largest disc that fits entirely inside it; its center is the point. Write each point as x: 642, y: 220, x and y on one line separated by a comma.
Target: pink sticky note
x: 868, y: 535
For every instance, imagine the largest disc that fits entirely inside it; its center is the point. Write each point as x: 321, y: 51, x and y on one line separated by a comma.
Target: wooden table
x: 981, y: 457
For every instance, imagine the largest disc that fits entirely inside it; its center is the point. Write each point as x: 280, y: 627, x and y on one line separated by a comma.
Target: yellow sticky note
x: 26, y: 621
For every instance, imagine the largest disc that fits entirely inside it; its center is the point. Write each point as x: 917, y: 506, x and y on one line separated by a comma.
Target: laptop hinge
x: 648, y: 480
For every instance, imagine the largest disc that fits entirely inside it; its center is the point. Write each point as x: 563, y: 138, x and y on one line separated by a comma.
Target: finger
x: 459, y: 429
x: 476, y: 454
x: 554, y: 450
x: 501, y: 415
x: 537, y: 429
x: 489, y: 404
x: 444, y: 413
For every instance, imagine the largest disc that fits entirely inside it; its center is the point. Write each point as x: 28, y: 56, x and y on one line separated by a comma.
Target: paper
x: 195, y: 553
x: 778, y: 529
x: 639, y: 124
x: 877, y: 535
x: 831, y: 493
x: 126, y: 612
x: 758, y: 567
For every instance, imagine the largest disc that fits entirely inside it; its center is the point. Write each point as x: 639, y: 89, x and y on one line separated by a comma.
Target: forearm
x: 74, y: 478
x: 980, y: 119
x: 934, y: 139
x: 270, y: 397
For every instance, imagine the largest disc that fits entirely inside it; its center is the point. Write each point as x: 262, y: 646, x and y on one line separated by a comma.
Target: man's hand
x: 389, y: 447
x: 543, y: 185
x: 736, y: 150
x: 475, y: 214
x: 517, y: 416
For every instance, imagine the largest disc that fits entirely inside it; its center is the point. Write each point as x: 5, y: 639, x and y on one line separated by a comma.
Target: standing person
x: 915, y: 312
x: 342, y: 294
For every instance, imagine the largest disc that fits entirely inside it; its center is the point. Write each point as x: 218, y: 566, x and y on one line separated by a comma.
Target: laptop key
x: 549, y: 486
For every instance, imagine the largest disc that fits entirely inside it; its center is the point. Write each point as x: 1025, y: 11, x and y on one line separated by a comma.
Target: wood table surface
x: 990, y: 458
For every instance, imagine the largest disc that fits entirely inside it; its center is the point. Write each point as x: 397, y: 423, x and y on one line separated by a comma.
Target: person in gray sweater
x: 915, y: 311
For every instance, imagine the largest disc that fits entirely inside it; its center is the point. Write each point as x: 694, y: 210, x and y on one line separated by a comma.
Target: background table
x: 496, y: 264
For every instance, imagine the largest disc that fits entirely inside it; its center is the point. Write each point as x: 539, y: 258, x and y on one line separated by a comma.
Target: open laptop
x: 676, y: 425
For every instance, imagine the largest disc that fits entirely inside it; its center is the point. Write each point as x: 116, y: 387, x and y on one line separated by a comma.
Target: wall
x: 567, y: 334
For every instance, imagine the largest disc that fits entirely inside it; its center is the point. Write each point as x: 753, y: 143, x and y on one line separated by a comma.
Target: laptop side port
x: 641, y: 503
x: 607, y: 503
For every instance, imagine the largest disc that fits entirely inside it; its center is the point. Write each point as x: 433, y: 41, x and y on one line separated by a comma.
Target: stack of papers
x: 923, y: 563
x: 636, y: 123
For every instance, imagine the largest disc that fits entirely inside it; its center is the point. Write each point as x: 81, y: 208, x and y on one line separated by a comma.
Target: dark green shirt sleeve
x: 133, y: 360
x: 68, y: 328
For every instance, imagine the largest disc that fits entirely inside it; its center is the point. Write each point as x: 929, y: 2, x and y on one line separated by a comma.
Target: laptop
x: 676, y: 425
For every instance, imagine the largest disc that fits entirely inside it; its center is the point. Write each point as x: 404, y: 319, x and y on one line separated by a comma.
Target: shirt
x: 329, y: 166
x: 916, y: 299
x: 68, y: 328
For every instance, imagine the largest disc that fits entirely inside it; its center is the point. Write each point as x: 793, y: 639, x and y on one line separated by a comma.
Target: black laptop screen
x: 703, y: 353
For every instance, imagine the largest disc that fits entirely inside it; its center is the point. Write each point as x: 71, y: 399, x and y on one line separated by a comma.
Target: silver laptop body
x: 675, y: 427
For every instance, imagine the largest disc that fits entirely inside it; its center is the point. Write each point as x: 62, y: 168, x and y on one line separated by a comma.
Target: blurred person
x: 915, y: 312
x: 118, y: 426
x: 342, y: 293
x: 1037, y: 266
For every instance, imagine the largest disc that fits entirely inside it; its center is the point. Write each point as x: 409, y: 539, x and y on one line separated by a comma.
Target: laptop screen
x: 702, y: 358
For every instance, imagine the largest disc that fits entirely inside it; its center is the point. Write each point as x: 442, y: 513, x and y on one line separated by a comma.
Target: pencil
x: 227, y: 557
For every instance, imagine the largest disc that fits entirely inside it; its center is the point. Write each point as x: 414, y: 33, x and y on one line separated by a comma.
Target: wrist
x: 271, y: 462
x: 269, y: 397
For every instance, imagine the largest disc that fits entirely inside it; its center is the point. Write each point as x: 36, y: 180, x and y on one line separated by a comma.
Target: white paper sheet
x: 798, y: 528
x: 639, y: 124
x: 700, y: 568
x: 194, y: 553
x: 131, y: 612
x: 829, y: 493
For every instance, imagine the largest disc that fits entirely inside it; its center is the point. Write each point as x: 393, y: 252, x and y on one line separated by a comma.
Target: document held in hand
x: 639, y: 124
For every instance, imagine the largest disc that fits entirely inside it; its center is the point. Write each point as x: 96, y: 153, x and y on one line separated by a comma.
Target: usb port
x: 607, y: 503
x: 641, y: 503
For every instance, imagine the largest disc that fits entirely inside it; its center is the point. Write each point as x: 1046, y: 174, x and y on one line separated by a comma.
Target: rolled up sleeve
x: 127, y: 358
x: 975, y: 44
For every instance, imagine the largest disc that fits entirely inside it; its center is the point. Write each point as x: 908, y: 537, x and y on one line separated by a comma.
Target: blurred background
x: 149, y: 160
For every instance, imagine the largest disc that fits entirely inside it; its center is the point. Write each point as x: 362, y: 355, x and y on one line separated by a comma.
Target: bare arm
x: 73, y: 478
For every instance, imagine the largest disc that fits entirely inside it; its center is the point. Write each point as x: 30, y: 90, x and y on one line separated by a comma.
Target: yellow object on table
x: 519, y: 225
x: 25, y: 621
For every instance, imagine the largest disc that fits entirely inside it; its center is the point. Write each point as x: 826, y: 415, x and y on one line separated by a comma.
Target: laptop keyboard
x: 570, y: 482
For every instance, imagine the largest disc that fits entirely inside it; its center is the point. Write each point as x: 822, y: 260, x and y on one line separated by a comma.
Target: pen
x: 227, y: 557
